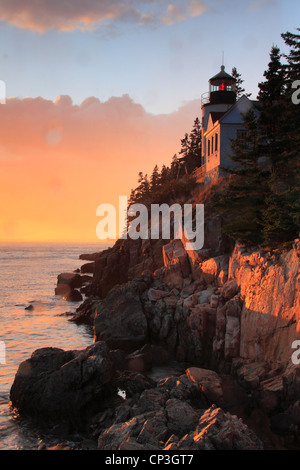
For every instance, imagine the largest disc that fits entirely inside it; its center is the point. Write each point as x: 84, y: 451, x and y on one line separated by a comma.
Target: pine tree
x: 244, y: 203
x: 155, y: 179
x: 239, y: 83
x: 195, y: 152
x: 191, y: 148
x: 292, y: 111
x: 281, y: 215
x: 293, y: 58
x: 272, y: 109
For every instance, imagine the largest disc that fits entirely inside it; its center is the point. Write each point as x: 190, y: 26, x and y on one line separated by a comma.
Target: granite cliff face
x: 228, y: 314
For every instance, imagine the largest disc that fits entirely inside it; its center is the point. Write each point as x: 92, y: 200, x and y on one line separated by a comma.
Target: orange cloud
x: 59, y: 161
x: 67, y: 16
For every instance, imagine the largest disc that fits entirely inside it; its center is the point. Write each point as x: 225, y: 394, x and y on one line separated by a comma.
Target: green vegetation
x: 259, y: 200
x: 262, y: 203
x: 173, y: 181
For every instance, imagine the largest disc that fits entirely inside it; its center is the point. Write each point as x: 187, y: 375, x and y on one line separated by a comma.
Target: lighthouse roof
x: 222, y: 74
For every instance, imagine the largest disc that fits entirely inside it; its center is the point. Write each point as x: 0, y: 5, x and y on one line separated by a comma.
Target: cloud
x: 66, y: 15
x: 59, y: 161
x: 183, y: 11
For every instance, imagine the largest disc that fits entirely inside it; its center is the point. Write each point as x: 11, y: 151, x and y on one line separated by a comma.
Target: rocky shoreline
x: 192, y: 350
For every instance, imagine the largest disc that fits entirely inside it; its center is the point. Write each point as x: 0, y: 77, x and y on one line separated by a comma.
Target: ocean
x: 28, y: 276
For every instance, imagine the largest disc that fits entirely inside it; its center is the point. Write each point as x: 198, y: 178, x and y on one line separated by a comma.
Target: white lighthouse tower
x: 220, y: 98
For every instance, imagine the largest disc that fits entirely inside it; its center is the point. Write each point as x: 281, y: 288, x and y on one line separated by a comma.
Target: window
x: 212, y: 144
x: 208, y: 147
x: 216, y: 142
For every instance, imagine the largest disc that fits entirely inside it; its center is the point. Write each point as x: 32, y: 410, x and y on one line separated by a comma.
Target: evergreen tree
x: 272, y: 111
x: 293, y: 58
x: 239, y: 83
x: 155, y: 179
x: 292, y: 111
x: 281, y: 120
x: 244, y: 203
x: 191, y: 146
x: 195, y: 153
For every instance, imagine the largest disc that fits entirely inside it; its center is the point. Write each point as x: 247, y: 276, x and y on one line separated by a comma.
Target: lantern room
x: 222, y: 88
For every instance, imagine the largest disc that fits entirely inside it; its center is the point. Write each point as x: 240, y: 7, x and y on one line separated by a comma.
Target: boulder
x: 181, y: 417
x: 217, y: 430
x: 156, y: 294
x: 209, y: 382
x: 230, y: 289
x: 90, y: 256
x: 73, y: 296
x: 88, y: 268
x: 86, y: 311
x: 71, y: 279
x: 120, y: 320
x: 55, y: 386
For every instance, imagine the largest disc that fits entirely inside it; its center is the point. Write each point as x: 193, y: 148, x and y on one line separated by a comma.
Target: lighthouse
x: 221, y: 96
x: 222, y: 122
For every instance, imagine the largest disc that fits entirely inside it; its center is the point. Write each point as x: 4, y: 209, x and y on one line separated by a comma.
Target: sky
x: 98, y: 90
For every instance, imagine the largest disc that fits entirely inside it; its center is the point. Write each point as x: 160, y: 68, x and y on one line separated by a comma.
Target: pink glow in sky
x: 100, y: 90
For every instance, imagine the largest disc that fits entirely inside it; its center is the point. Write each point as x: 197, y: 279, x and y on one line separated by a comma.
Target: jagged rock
x: 176, y: 262
x: 269, y: 286
x: 86, y: 311
x: 204, y: 296
x: 67, y: 283
x: 218, y: 430
x: 209, y: 382
x: 126, y: 260
x: 73, y: 296
x: 120, y: 320
x: 214, y: 270
x: 71, y: 279
x: 90, y: 256
x: 88, y: 268
x: 156, y: 294
x: 56, y: 385
x: 154, y: 431
x: 112, y: 438
x: 230, y: 289
x: 174, y: 253
x: 181, y: 417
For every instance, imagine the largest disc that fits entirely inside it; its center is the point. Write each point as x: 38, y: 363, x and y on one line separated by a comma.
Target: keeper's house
x: 221, y: 122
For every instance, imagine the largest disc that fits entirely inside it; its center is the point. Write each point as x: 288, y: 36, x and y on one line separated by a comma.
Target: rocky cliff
x: 229, y: 314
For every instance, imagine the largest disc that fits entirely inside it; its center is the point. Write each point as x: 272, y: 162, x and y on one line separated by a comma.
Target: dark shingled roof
x: 222, y: 74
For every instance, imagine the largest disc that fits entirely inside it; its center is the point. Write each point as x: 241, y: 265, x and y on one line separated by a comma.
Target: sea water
x: 28, y: 277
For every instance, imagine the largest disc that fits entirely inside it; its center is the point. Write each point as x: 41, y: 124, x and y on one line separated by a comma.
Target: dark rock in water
x: 73, y: 296
x: 63, y: 290
x: 88, y: 268
x: 86, y: 311
x: 67, y: 283
x: 30, y: 307
x: 90, y: 256
x: 56, y: 386
x: 71, y: 279
x: 86, y: 278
